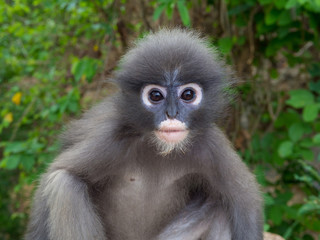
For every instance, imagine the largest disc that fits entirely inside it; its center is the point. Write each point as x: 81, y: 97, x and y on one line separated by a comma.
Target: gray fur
x: 110, y: 182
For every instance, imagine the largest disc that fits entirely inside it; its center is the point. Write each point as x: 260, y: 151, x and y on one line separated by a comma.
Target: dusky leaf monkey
x: 150, y: 161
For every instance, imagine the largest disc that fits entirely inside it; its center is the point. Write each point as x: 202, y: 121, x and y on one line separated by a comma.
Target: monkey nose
x: 171, y: 114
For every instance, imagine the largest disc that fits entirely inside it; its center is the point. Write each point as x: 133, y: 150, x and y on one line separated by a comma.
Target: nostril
x: 172, y: 115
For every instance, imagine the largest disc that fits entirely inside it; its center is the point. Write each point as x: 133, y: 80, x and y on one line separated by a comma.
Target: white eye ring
x: 146, y: 91
x: 197, y: 89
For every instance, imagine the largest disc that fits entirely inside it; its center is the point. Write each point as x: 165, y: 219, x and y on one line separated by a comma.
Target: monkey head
x: 172, y: 88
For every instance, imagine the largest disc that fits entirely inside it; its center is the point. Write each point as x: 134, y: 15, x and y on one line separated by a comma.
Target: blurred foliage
x: 55, y: 55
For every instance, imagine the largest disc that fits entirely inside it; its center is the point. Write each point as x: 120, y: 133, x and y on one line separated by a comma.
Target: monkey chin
x: 171, y: 134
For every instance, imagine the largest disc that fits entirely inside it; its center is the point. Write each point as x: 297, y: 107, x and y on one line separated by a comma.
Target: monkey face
x: 171, y: 105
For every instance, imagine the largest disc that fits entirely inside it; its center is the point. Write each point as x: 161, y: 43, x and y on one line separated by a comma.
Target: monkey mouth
x: 172, y: 131
x: 172, y: 135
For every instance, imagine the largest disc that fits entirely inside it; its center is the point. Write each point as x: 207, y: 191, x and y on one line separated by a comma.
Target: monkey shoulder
x: 99, y: 120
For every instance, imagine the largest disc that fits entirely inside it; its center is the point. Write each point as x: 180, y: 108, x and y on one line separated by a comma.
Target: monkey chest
x: 137, y: 205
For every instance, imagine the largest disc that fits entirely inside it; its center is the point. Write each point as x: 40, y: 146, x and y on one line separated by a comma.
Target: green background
x: 55, y: 57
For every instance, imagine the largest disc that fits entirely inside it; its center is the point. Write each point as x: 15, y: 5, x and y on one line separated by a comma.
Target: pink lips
x: 172, y: 131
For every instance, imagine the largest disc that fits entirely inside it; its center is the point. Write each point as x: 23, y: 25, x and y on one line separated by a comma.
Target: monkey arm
x: 62, y: 207
x: 63, y: 210
x: 238, y: 189
x: 37, y: 227
x: 195, y: 222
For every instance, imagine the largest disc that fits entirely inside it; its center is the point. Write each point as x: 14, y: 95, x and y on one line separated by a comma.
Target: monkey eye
x: 155, y: 95
x: 188, y: 95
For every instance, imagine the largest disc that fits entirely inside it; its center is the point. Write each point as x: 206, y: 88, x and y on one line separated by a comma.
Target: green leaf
x: 12, y: 161
x: 279, y: 4
x: 283, y: 198
x: 225, y: 45
x: 272, y: 16
x: 75, y: 70
x: 260, y: 176
x: 296, y: 131
x: 15, y: 147
x: 289, y: 230
x: 73, y: 106
x: 28, y: 161
x: 310, y: 112
x: 273, y: 47
x: 316, y: 139
x: 307, y: 154
x: 268, y: 200
x: 284, y: 18
x: 184, y: 14
x: 306, y: 143
x: 309, y: 207
x: 287, y: 118
x: 35, y: 145
x: 157, y: 13
x: 300, y: 98
x: 314, y: 71
x: 274, y: 73
x: 283, y: 32
x: 315, y: 86
x: 285, y: 149
x: 275, y: 214
x: 313, y: 224
x: 264, y: 2
x: 169, y: 10
x: 292, y: 4
x: 85, y: 68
